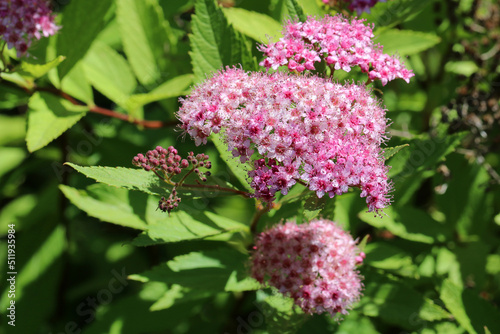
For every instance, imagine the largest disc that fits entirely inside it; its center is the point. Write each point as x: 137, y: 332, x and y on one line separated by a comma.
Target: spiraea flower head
x: 340, y: 42
x: 313, y: 263
x: 294, y: 129
x: 22, y: 21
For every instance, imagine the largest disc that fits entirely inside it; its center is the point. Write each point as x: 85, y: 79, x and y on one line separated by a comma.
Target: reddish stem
x: 108, y: 112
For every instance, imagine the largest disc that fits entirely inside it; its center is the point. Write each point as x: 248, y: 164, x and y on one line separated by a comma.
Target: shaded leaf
x: 237, y: 168
x: 409, y: 223
x: 215, y: 270
x: 295, y: 10
x: 178, y: 294
x: 181, y: 225
x: 109, y: 204
x: 472, y: 312
x: 392, y: 13
x: 396, y: 303
x: 389, y: 258
x: 390, y: 151
x: 214, y: 43
x: 281, y: 314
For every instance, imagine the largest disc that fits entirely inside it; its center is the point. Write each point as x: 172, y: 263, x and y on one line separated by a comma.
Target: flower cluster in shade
x: 294, y: 129
x: 314, y: 263
x: 340, y: 42
x: 22, y: 21
x: 166, y: 163
x: 355, y: 5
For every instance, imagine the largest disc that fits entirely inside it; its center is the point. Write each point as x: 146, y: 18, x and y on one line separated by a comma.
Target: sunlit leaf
x: 49, y: 116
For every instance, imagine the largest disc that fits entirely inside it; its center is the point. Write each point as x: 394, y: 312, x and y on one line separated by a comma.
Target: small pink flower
x: 341, y: 42
x: 313, y: 263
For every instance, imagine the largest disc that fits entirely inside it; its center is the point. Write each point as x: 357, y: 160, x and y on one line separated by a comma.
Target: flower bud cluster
x: 22, y: 21
x: 313, y: 263
x: 161, y: 160
x: 340, y: 42
x: 166, y: 163
x: 170, y: 203
x: 304, y: 128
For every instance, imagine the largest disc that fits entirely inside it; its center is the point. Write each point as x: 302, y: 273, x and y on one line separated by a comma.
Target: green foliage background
x: 93, y: 255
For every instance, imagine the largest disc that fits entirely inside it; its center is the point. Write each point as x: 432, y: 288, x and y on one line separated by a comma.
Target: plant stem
x: 106, y: 112
x: 179, y: 184
x: 256, y: 217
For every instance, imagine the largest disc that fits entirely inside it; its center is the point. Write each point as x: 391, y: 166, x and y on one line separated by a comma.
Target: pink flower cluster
x: 313, y: 263
x: 358, y: 5
x: 341, y: 43
x: 305, y: 128
x: 21, y: 21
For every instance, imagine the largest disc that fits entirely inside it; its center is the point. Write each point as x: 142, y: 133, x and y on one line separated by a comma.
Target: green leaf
x: 16, y: 211
x: 390, y: 151
x: 107, y: 204
x: 131, y: 314
x: 39, y: 70
x: 39, y: 258
x: 144, y: 37
x: 282, y: 315
x: 295, y: 10
x: 11, y: 158
x: 409, y: 223
x: 406, y: 42
x: 214, y: 43
x: 472, y: 312
x: 409, y: 166
x: 171, y: 88
x: 451, y: 295
x: 75, y: 83
x: 389, y: 258
x: 466, y: 204
x: 81, y: 22
x: 493, y: 264
x: 313, y: 206
x: 214, y: 270
x: 128, y: 178
x: 392, y: 13
x: 109, y: 73
x: 238, y: 169
x: 181, y: 225
x: 48, y: 118
x: 179, y: 294
x: 356, y: 323
x: 463, y: 67
x: 253, y: 24
x: 395, y: 303
x: 11, y: 97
